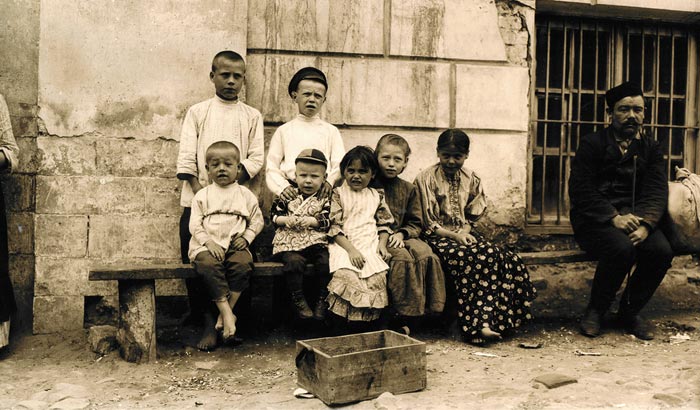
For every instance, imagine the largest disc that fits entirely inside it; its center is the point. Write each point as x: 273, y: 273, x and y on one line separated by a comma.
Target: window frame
x: 617, y: 69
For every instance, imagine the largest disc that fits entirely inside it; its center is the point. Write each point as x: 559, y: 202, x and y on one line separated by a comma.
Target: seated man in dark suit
x: 619, y: 192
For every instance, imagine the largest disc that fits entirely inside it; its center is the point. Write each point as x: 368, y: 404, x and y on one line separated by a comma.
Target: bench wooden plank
x: 182, y: 271
x: 168, y: 271
x: 550, y: 257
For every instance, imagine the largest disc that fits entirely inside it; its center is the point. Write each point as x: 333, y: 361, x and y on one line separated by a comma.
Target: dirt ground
x: 613, y: 371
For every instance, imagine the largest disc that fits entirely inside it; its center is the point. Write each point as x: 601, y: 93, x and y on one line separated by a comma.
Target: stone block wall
x: 413, y: 67
x: 99, y: 89
x: 115, y: 80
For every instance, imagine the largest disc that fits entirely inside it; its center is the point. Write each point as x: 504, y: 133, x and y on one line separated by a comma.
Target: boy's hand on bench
x: 216, y: 251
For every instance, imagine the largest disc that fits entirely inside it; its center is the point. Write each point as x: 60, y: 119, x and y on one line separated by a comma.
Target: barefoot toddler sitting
x: 225, y: 219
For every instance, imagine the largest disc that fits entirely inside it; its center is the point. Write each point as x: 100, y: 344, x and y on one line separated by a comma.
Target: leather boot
x: 590, y: 322
x: 303, y: 309
x: 321, y: 309
x: 637, y: 325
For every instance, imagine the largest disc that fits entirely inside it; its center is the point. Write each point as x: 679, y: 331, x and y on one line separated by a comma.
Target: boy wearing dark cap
x: 308, y: 89
x: 302, y: 225
x: 619, y: 192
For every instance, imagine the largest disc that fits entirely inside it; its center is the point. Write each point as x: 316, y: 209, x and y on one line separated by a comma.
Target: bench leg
x: 137, y: 320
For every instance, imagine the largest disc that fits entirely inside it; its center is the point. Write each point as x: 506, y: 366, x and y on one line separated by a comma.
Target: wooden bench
x: 137, y: 304
x: 137, y: 309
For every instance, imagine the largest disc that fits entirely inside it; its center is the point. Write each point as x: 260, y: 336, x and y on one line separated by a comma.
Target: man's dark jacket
x: 600, y: 186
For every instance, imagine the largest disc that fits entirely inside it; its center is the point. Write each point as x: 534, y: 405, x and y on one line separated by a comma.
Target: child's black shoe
x: 321, y: 309
x: 303, y: 309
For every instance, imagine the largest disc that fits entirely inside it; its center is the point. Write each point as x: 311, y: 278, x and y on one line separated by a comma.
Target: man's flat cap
x: 626, y: 89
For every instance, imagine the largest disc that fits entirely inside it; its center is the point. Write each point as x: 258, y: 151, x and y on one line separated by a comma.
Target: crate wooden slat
x: 362, y: 366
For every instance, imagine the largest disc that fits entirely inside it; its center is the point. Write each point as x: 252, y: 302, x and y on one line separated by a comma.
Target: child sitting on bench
x: 225, y: 220
x: 301, y: 235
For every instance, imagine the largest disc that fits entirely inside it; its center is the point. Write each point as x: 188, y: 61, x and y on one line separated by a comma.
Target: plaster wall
x: 19, y: 58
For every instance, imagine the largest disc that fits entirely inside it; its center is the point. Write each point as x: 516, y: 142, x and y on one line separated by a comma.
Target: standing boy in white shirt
x: 221, y: 118
x: 307, y: 130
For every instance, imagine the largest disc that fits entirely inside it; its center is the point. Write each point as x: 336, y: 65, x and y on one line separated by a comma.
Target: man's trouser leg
x: 654, y: 257
x: 616, y: 256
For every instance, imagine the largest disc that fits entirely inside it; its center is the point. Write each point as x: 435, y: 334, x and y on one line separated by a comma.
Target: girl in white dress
x: 360, y: 220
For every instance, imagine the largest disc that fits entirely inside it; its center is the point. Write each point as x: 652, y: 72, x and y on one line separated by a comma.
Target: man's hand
x: 289, y: 193
x: 627, y: 223
x: 356, y: 259
x: 325, y: 190
x: 639, y: 235
x: 396, y: 240
x: 216, y: 251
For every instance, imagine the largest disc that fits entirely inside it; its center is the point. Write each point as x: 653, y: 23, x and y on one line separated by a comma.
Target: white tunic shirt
x: 215, y: 120
x: 295, y: 136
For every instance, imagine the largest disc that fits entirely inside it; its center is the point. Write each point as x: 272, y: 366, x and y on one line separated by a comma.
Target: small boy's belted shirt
x: 289, y: 239
x: 222, y: 213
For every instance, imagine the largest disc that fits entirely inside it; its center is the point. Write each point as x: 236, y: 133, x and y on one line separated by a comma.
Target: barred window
x: 577, y: 61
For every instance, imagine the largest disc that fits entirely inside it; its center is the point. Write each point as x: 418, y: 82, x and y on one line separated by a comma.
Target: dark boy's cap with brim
x: 312, y: 155
x: 626, y: 89
x: 306, y: 73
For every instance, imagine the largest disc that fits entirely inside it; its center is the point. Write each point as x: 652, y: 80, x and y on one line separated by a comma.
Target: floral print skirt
x: 492, y: 284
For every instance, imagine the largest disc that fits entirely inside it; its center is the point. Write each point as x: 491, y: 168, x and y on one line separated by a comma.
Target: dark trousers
x: 616, y: 257
x: 7, y: 297
x: 223, y: 277
x: 196, y: 289
x: 295, y: 265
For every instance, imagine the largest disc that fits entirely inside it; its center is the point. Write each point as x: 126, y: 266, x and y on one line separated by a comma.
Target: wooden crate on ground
x: 362, y: 366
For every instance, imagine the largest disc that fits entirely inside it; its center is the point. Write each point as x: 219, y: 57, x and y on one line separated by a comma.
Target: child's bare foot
x: 229, y: 328
x: 208, y: 340
x: 488, y: 333
x: 219, y: 323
